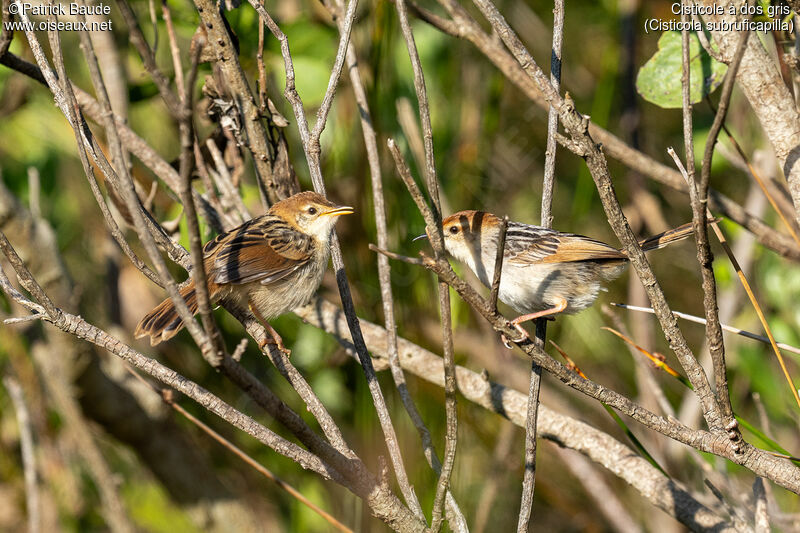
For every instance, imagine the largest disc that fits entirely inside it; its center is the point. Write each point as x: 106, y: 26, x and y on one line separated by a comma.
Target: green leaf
x: 659, y: 80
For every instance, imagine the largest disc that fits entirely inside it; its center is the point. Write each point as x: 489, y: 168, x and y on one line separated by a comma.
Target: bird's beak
x: 338, y: 211
x: 423, y: 236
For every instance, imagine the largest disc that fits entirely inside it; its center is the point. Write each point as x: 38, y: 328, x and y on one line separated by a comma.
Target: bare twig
x: 548, y: 185
x: 199, y: 275
x: 455, y: 517
x: 498, y: 262
x: 714, y: 338
x: 661, y: 491
x: 451, y: 433
x: 698, y: 320
x: 761, y: 513
x: 746, y: 285
x: 169, y: 398
x: 28, y: 453
x: 311, y: 148
x: 149, y: 60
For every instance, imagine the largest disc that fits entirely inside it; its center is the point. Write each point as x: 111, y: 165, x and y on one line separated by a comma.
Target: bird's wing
x: 532, y: 244
x: 266, y: 249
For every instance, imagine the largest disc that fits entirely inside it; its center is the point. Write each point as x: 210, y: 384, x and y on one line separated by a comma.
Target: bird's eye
x: 312, y: 210
x: 453, y: 229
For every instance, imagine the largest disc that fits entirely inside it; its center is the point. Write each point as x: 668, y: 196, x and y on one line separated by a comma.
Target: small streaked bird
x: 272, y: 263
x: 545, y: 272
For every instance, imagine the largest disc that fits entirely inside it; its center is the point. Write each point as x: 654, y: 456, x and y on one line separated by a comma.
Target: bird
x: 272, y: 263
x: 545, y: 272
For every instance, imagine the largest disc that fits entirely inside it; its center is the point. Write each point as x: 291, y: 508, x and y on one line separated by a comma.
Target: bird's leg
x: 558, y: 308
x: 275, y: 337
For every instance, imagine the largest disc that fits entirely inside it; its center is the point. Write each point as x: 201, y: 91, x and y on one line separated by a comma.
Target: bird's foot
x: 523, y: 335
x: 275, y: 340
x: 547, y: 313
x: 274, y: 337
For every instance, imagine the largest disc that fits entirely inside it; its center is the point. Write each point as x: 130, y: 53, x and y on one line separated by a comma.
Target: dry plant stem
x: 224, y: 181
x: 760, y: 182
x: 748, y: 290
x: 311, y: 147
x: 454, y: 514
x: 128, y: 192
x: 511, y: 404
x: 149, y: 60
x: 175, y: 52
x: 698, y: 320
x: 169, y: 398
x: 552, y: 117
x: 219, y: 41
x: 465, y: 27
x: 714, y: 338
x: 199, y: 275
x: 451, y: 411
x: 577, y: 127
x: 28, y: 453
x: 427, y: 214
x: 548, y: 185
x: 498, y: 262
x: 761, y: 513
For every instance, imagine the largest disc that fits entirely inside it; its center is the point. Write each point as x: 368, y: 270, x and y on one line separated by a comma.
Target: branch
x: 28, y: 453
x: 451, y: 412
x: 659, y: 490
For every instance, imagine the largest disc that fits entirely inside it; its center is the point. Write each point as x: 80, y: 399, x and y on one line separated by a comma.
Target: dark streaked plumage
x: 273, y: 263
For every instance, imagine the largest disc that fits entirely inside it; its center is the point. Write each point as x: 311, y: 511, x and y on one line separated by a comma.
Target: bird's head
x: 466, y: 233
x: 310, y: 213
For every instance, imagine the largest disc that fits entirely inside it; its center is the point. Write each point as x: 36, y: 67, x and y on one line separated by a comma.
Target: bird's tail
x: 163, y: 322
x: 668, y: 237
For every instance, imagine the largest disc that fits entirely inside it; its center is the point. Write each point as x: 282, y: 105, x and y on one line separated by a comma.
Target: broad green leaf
x: 659, y: 80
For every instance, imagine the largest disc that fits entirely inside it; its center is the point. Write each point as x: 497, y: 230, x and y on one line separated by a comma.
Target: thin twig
x: 186, y: 160
x: 451, y: 412
x: 748, y: 290
x: 149, y: 60
x: 454, y: 514
x: 714, y: 337
x: 498, y: 262
x: 28, y: 453
x: 731, y: 329
x: 311, y: 148
x: 548, y: 185
x: 169, y: 398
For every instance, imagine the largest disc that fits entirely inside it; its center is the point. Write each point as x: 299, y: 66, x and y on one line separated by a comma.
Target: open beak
x: 423, y: 236
x: 338, y: 211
